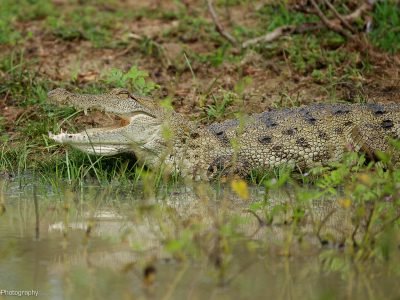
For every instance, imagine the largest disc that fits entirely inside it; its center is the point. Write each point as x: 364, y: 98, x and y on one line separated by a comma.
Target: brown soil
x: 273, y: 82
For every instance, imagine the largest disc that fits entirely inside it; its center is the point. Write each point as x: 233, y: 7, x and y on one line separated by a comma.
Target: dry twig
x: 218, y: 25
x: 332, y: 24
x: 339, y: 16
x: 270, y: 36
x: 366, y: 6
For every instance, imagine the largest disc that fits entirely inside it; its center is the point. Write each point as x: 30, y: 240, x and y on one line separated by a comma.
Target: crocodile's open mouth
x: 110, y: 140
x: 137, y: 123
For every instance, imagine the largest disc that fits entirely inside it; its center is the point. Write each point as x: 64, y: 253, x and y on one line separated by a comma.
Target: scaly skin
x: 304, y: 137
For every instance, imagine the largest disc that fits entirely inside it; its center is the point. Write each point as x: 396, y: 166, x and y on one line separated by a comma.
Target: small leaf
x: 365, y: 179
x: 383, y: 156
x: 239, y: 186
x: 345, y: 203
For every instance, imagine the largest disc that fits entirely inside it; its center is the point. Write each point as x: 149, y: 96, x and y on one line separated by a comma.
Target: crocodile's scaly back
x: 303, y: 137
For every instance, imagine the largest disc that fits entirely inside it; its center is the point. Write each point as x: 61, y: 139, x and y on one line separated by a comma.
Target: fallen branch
x: 339, y: 16
x: 270, y: 36
x: 332, y: 24
x: 281, y: 31
x: 218, y: 25
x: 366, y: 6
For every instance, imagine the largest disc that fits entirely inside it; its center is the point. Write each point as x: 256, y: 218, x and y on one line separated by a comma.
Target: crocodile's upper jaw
x: 118, y: 101
x: 140, y: 131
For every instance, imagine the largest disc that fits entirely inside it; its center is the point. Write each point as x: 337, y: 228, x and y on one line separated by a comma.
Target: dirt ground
x: 274, y: 81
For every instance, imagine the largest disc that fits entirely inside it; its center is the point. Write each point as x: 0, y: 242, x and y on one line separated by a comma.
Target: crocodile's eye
x: 123, y: 93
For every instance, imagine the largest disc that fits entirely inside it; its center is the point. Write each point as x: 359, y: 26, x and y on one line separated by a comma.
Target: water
x: 107, y: 243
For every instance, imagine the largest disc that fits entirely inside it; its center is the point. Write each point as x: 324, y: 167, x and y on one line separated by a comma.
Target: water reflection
x: 102, y: 243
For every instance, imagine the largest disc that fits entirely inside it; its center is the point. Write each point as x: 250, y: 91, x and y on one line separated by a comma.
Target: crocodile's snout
x: 58, y: 95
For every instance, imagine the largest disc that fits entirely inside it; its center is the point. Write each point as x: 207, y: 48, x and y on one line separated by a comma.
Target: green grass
x: 218, y: 56
x: 8, y: 35
x: 385, y: 32
x: 272, y: 16
x: 25, y: 86
x: 87, y: 23
x: 23, y: 11
x: 92, y: 21
x: 218, y: 110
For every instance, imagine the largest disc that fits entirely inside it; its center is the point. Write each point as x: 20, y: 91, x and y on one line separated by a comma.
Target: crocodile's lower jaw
x: 89, y: 145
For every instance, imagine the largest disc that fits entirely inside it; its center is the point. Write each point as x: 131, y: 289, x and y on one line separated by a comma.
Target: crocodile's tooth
x: 85, y: 111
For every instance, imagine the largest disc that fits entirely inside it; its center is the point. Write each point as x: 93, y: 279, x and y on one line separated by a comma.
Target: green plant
x: 385, y: 32
x: 218, y: 109
x: 135, y: 79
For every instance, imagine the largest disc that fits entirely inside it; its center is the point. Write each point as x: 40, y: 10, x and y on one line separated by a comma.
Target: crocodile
x: 302, y: 137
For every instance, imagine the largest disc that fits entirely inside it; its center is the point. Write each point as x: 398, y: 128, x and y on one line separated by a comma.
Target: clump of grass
x: 27, y: 10
x: 24, y: 85
x: 194, y: 28
x: 80, y: 27
x: 3, y: 134
x: 385, y: 32
x: 24, y: 10
x: 218, y: 109
x: 309, y: 56
x: 272, y: 16
x: 217, y: 57
x: 15, y: 159
x: 87, y: 22
x: 8, y: 34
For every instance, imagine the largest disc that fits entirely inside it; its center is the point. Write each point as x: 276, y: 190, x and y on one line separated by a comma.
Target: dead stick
x: 329, y: 24
x: 360, y: 10
x: 270, y: 36
x: 288, y: 29
x: 218, y: 25
x: 339, y: 16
